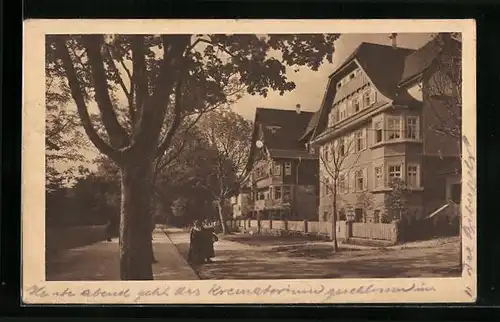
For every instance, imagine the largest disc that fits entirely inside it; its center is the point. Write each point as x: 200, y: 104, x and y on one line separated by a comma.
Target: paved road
x: 100, y: 261
x: 236, y: 260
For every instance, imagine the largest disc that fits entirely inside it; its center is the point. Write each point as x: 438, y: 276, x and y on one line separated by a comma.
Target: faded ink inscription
x: 219, y: 291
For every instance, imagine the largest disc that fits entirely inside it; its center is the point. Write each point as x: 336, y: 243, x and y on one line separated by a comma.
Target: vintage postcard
x: 249, y: 161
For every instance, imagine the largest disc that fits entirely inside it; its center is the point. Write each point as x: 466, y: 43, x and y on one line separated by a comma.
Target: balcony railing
x: 269, y: 204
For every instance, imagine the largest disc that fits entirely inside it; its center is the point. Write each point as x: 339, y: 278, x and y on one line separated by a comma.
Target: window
x: 359, y: 215
x: 277, y: 193
x: 287, y: 193
x: 343, y: 110
x: 412, y: 127
x: 366, y: 98
x: 341, y: 147
x: 328, y: 187
x: 343, y: 184
x: 376, y: 216
x: 412, y: 174
x: 325, y: 186
x: 360, y: 140
x: 349, y: 109
x: 378, y: 132
x: 394, y: 172
x: 261, y: 196
x: 393, y: 128
x: 288, y: 168
x: 325, y: 154
x: 378, y: 177
x: 359, y: 180
x: 356, y: 104
x: 277, y: 169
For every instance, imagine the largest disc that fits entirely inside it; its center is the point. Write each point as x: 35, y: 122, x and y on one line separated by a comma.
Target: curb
x: 182, y: 256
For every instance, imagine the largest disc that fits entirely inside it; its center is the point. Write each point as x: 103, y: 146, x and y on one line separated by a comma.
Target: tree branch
x: 117, y: 135
x: 77, y: 94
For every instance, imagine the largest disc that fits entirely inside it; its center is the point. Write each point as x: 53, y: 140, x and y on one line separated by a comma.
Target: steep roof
x: 384, y: 65
x: 311, y: 125
x: 282, y: 130
x: 291, y: 123
x: 420, y: 60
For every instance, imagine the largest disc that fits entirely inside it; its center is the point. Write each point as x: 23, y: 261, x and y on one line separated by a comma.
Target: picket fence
x: 345, y: 230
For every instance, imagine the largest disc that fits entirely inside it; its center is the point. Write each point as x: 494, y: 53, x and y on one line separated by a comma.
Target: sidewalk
x: 100, y: 261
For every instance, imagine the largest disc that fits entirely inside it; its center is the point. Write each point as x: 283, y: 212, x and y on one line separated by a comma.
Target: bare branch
x: 77, y: 94
x: 117, y: 135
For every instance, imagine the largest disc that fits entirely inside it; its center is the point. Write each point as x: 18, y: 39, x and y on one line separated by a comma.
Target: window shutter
x: 353, y: 181
x: 365, y: 179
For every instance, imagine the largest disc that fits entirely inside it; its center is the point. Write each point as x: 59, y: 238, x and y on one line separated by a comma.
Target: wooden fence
x: 388, y: 233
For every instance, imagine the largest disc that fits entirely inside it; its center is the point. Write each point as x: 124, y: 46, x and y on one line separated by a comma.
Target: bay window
x: 378, y: 177
x: 413, y: 176
x: 360, y: 137
x: 395, y: 172
x: 277, y: 193
x: 359, y: 180
x: 393, y: 127
x: 412, y: 127
x: 378, y: 132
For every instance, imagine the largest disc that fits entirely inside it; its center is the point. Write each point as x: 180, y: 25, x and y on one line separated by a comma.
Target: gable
x: 380, y: 66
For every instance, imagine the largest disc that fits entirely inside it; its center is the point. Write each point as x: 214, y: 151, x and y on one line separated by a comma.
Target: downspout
x: 296, y: 185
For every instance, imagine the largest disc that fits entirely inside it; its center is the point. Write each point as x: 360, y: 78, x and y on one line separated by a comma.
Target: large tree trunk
x: 220, y: 206
x: 334, y: 218
x: 135, y: 224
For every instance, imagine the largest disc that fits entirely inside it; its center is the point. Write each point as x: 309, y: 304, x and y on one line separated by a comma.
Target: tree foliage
x: 229, y: 136
x: 445, y: 86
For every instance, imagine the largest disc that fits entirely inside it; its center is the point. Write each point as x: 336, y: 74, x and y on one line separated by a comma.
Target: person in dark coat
x: 210, y: 238
x: 196, y: 244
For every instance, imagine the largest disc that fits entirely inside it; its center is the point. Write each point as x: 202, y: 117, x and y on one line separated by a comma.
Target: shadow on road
x: 303, y: 262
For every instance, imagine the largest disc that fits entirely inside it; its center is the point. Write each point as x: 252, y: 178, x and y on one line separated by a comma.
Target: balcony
x: 269, y: 204
x: 268, y: 180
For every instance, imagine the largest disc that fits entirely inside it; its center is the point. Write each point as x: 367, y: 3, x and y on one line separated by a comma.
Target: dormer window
x: 273, y: 128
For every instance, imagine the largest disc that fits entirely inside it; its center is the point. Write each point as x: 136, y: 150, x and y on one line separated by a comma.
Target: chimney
x: 297, y: 108
x: 394, y: 38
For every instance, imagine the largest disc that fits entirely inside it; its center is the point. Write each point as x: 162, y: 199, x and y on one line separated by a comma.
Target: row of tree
x: 205, y: 171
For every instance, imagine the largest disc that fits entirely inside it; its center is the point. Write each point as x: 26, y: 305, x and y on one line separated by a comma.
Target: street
x: 100, y: 261
x: 235, y: 260
x: 256, y: 257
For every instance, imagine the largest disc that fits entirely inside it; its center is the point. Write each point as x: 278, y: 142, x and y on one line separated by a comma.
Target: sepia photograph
x: 247, y: 167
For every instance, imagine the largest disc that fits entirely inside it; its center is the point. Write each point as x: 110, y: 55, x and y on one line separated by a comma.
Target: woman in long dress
x: 209, y: 239
x: 196, y: 244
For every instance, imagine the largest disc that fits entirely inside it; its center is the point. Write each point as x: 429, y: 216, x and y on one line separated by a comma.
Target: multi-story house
x: 283, y: 173
x: 378, y: 116
x: 242, y: 203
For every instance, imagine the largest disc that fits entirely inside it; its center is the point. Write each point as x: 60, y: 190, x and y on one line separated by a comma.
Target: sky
x: 310, y: 85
